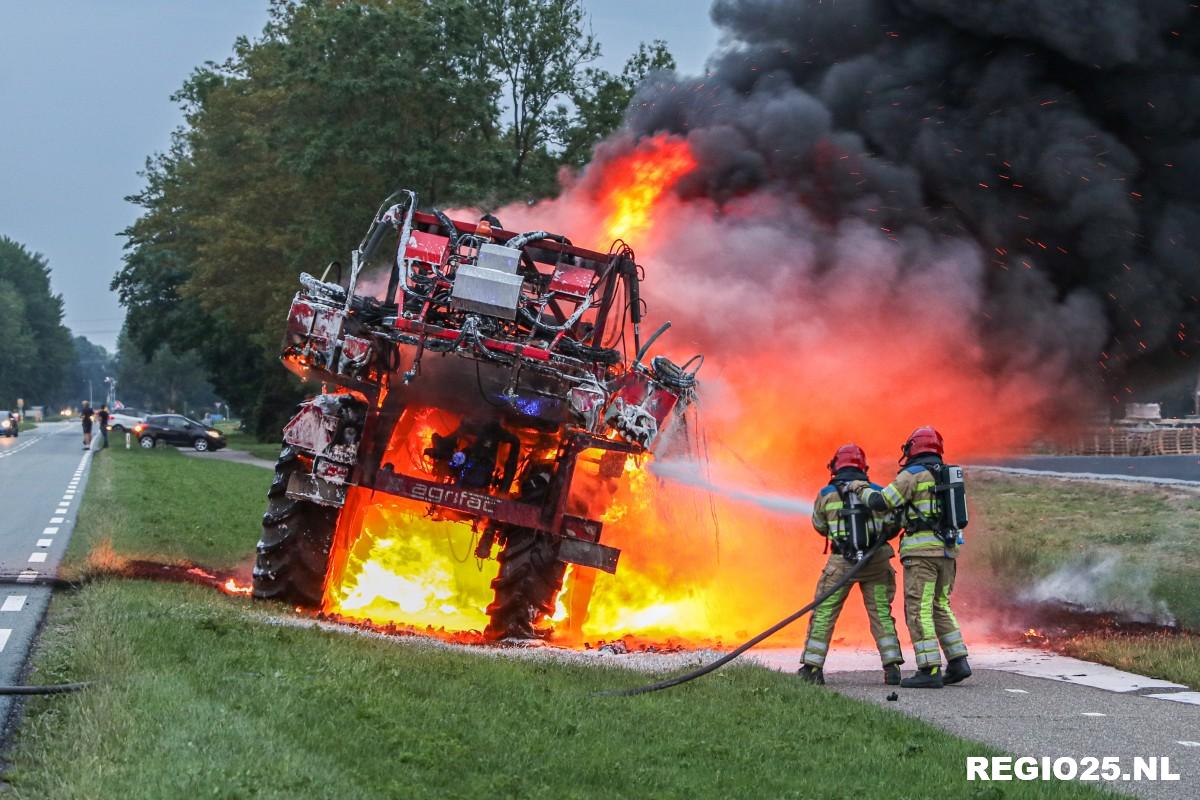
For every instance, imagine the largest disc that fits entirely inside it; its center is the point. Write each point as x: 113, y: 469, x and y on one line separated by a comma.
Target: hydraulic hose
x: 769, y: 632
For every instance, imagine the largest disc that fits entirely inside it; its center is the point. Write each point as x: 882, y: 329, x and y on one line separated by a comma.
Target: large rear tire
x: 530, y: 578
x: 293, y: 553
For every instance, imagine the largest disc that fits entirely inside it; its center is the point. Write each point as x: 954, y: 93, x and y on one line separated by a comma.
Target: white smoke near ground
x: 1108, y: 584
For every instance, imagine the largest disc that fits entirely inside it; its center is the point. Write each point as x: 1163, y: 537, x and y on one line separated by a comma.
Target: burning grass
x: 196, y: 697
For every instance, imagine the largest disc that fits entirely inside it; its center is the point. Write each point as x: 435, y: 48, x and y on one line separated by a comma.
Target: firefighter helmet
x: 924, y: 439
x: 848, y: 455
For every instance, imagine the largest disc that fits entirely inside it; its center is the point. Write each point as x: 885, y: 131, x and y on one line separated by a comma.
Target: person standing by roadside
x: 86, y: 415
x: 102, y: 418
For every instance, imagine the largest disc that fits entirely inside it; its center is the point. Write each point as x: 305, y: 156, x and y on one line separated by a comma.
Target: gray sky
x: 85, y: 97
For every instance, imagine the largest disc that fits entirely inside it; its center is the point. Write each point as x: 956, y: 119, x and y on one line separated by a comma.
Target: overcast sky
x: 85, y: 97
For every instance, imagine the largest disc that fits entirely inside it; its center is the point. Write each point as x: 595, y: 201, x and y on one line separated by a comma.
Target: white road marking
x: 4, y: 634
x: 49, y: 531
x: 68, y: 498
x: 1093, y: 714
x: 56, y: 520
x: 1017, y: 691
x: 27, y: 576
x: 1191, y: 698
x: 44, y: 542
x: 37, y: 558
x: 1189, y: 744
x: 14, y: 602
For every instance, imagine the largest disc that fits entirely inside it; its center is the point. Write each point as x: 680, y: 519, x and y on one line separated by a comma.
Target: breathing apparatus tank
x: 855, y: 516
x: 951, y: 492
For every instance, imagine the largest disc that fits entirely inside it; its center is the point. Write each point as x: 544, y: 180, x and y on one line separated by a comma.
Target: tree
x: 540, y: 47
x: 290, y: 143
x: 37, y: 348
x: 600, y: 99
x: 91, y: 366
x: 166, y: 381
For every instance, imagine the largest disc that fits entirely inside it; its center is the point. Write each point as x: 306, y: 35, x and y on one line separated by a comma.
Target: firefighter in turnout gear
x: 928, y: 552
x: 850, y: 528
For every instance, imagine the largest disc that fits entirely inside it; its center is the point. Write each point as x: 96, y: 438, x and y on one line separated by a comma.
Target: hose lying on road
x: 769, y: 632
x: 57, y: 688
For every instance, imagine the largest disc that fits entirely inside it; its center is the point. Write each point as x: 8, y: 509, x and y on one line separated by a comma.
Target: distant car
x: 178, y: 430
x: 124, y: 419
x: 10, y: 423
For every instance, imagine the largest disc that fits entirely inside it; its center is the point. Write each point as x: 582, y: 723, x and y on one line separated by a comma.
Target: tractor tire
x: 530, y: 578
x: 293, y: 553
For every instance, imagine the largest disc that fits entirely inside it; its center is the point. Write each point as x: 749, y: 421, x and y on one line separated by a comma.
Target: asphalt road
x: 1034, y: 703
x: 42, y: 475
x: 1180, y: 468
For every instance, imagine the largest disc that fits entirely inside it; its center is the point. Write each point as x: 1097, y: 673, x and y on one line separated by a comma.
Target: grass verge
x: 1118, y: 546
x: 1175, y: 658
x: 196, y: 696
x: 160, y: 504
x: 248, y: 442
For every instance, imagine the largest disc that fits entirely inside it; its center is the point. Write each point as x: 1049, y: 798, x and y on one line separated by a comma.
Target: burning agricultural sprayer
x: 486, y: 393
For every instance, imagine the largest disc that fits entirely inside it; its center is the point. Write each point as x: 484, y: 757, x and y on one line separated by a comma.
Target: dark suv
x: 10, y: 423
x: 178, y: 430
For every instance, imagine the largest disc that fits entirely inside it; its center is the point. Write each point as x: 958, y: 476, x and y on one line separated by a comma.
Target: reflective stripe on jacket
x: 913, y: 489
x: 829, y: 522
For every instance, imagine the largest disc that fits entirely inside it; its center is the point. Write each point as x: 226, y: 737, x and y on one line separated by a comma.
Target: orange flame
x: 633, y: 185
x: 231, y: 586
x: 802, y: 359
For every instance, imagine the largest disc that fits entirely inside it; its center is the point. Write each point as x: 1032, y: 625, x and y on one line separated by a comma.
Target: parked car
x: 124, y: 419
x: 10, y: 423
x: 178, y: 430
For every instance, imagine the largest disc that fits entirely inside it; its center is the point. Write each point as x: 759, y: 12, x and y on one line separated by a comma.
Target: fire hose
x: 744, y: 646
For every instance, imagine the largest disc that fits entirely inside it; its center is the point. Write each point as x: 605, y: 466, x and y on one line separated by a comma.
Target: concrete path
x: 42, y: 476
x: 1147, y: 469
x: 233, y: 456
x: 1034, y: 703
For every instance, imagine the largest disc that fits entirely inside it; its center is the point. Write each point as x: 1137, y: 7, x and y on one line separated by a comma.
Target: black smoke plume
x: 1059, y: 136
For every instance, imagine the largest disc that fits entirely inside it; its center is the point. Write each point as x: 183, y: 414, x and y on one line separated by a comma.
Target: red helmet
x: 924, y: 439
x: 848, y: 455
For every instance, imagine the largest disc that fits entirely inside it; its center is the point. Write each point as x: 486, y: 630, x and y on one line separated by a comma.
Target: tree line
x: 289, y: 144
x: 36, y: 354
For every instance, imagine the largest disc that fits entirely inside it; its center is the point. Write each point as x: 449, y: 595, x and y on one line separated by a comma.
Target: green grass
x: 160, y: 504
x: 26, y: 425
x: 1025, y: 529
x: 1174, y: 657
x: 197, y: 697
x: 248, y: 442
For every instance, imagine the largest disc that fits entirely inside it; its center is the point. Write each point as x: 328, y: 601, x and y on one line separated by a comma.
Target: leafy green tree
x: 599, y: 101
x: 167, y: 381
x: 37, y: 351
x: 290, y: 143
x: 540, y: 47
x: 91, y: 366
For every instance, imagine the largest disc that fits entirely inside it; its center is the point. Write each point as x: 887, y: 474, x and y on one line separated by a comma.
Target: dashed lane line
x: 56, y: 520
x: 44, y: 542
x: 49, y: 531
x: 27, y: 576
x: 4, y: 634
x: 14, y: 602
x: 37, y: 558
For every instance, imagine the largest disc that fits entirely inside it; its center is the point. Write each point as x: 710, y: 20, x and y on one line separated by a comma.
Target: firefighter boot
x: 810, y: 674
x: 924, y: 678
x: 891, y: 675
x: 957, y: 670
